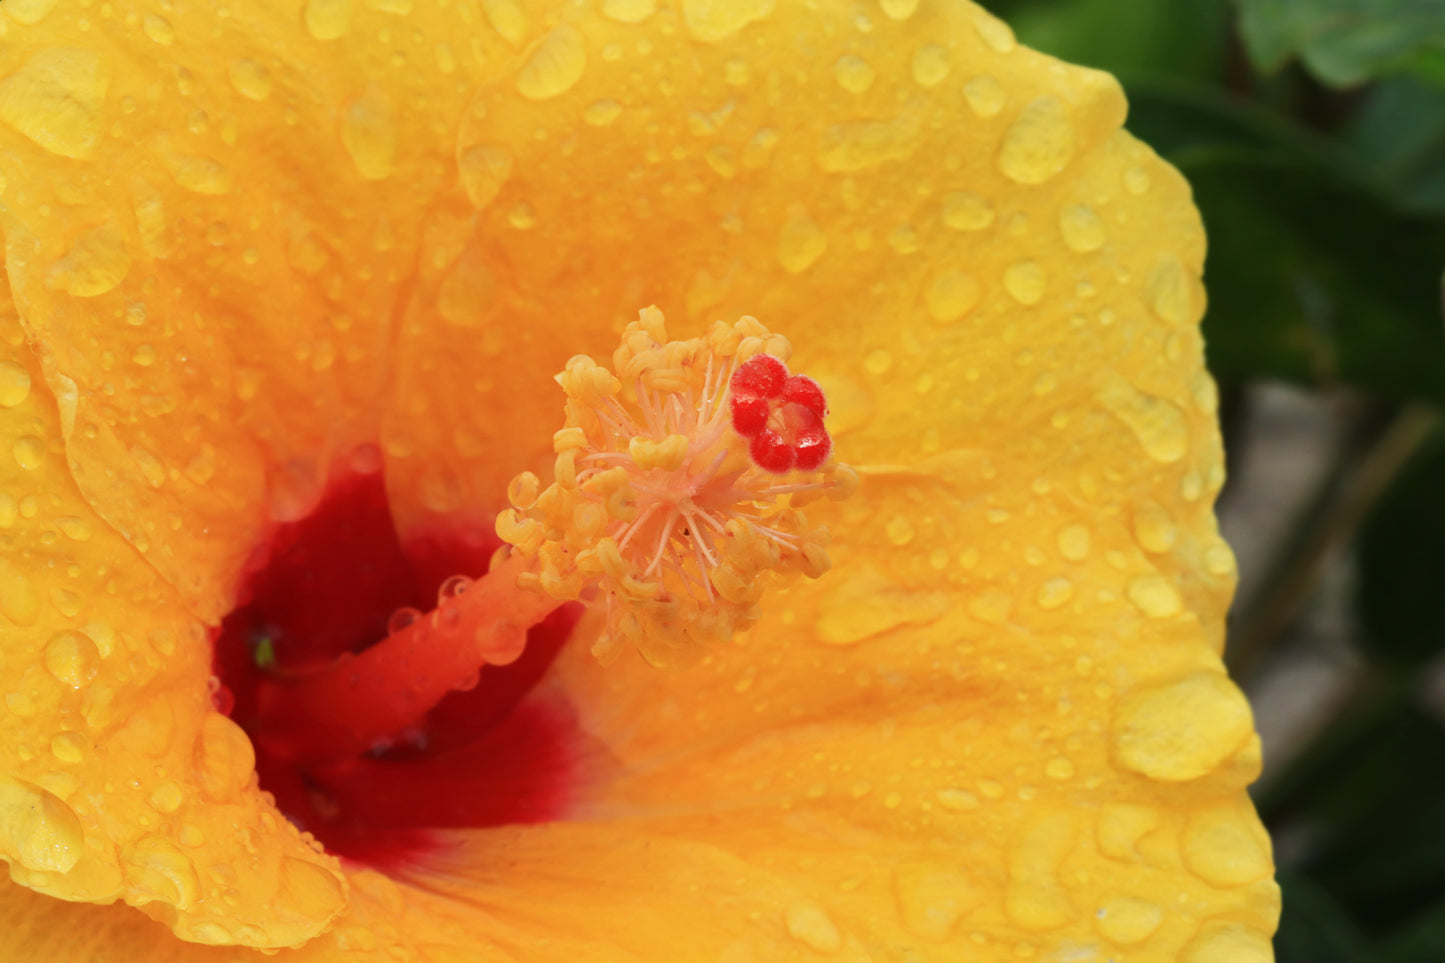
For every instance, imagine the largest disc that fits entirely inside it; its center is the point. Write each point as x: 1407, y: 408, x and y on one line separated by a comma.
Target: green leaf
x: 1313, y: 276
x: 1398, y: 134
x: 1314, y: 927
x: 1342, y: 42
x: 1145, y: 36
x: 1402, y: 555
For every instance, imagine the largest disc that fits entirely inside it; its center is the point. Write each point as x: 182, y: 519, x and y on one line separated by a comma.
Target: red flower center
x: 327, y: 586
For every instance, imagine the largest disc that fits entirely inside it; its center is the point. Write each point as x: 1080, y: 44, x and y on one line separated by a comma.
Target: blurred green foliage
x: 1313, y: 133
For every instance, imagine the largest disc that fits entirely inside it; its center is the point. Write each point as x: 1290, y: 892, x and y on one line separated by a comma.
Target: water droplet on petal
x: 994, y: 32
x: 1082, y: 229
x: 38, y: 828
x: 853, y: 73
x: 931, y: 64
x: 57, y: 100
x: 28, y: 452
x: 629, y: 11
x: 225, y: 758
x: 1153, y: 528
x: 899, y: 9
x: 1035, y: 900
x: 1223, y: 941
x: 967, y: 211
x: 368, y: 129
x: 483, y: 171
x: 1074, y: 543
x: 1226, y: 847
x: 19, y: 602
x: 1054, y: 593
x: 555, y: 65
x: 600, y: 113
x: 157, y: 869
x: 14, y: 384
x: 714, y: 20
x: 951, y: 295
x: 97, y: 262
x: 1038, y: 144
x: 1155, y: 596
x: 868, y: 604
x: 800, y: 242
x: 250, y: 79
x: 1025, y: 282
x: 329, y: 19
x: 1127, y: 921
x: 810, y: 925
x: 1181, y: 730
x: 507, y: 18
x: 985, y: 95
x: 1171, y: 292
x: 932, y: 899
x: 865, y: 144
x: 158, y: 29
x: 1159, y: 424
x: 68, y: 747
x: 72, y: 658
x: 29, y: 12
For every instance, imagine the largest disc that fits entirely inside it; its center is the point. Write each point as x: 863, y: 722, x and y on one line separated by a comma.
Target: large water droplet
x: 97, y: 262
x: 158, y: 29
x: 865, y: 144
x: 1171, y: 292
x: 1182, y: 730
x: 1025, y: 282
x: 1153, y: 528
x: 1127, y: 921
x: 994, y: 32
x: 1082, y: 229
x: 1054, y: 593
x: 714, y: 20
x: 1159, y: 424
x: 368, y: 129
x: 19, y: 602
x: 1155, y: 596
x: 310, y: 890
x: 1038, y: 144
x: 629, y: 11
x: 1221, y: 941
x: 951, y: 295
x: 932, y: 899
x: 1074, y: 543
x: 853, y: 73
x: 800, y: 242
x: 57, y: 100
x: 28, y: 452
x: 225, y: 758
x: 14, y: 384
x: 156, y: 868
x: 72, y: 658
x: 329, y: 19
x: 931, y: 64
x: 507, y: 18
x: 197, y: 174
x: 68, y: 747
x: 810, y: 925
x: 601, y: 113
x: 38, y: 829
x: 967, y: 211
x: 483, y: 171
x: 1226, y: 847
x: 250, y: 79
x: 899, y: 9
x: 555, y: 65
x: 985, y: 95
x: 1035, y: 900
x: 29, y: 12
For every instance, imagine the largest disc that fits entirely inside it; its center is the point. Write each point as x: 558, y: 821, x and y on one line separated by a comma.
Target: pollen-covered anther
x: 677, y: 489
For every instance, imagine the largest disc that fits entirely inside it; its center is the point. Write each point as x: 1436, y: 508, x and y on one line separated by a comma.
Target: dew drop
x: 19, y: 602
x: 14, y: 384
x: 29, y: 452
x: 1127, y: 921
x: 899, y: 530
x: 1054, y: 593
x: 994, y: 32
x: 1059, y: 768
x: 1226, y: 942
x: 225, y: 758
x: 1038, y: 144
x: 250, y: 79
x: 800, y: 242
x: 1181, y: 730
x: 555, y: 66
x: 156, y: 869
x: 1074, y: 543
x: 865, y: 144
x: 991, y: 606
x: 967, y: 211
x: 1159, y: 424
x: 368, y: 129
x: 29, y: 12
x: 868, y: 604
x: 199, y: 175
x: 1025, y: 282
x: 97, y: 263
x: 166, y: 798
x: 1171, y: 292
x: 931, y: 65
x: 329, y: 19
x: 310, y: 890
x: 1136, y: 180
x: 158, y: 29
x: 878, y: 361
x: 931, y: 900
x: 1082, y: 229
x: 507, y: 18
x: 601, y: 113
x: 985, y: 95
x: 810, y: 925
x: 72, y: 658
x: 1153, y: 528
x: 629, y: 11
x: 483, y: 171
x: 714, y: 20
x: 758, y: 151
x: 853, y: 73
x: 68, y: 747
x: 38, y: 829
x: 951, y: 295
x: 899, y: 9
x: 1219, y: 560
x: 1155, y: 596
x: 1226, y: 847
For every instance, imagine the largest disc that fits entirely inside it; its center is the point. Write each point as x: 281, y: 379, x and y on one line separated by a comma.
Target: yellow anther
x: 522, y: 491
x: 568, y: 439
x: 658, y: 510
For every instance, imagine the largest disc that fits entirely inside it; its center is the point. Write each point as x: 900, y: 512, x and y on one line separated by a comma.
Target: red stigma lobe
x: 780, y: 414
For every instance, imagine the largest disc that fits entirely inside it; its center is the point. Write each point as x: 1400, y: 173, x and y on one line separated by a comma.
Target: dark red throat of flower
x: 373, y: 720
x: 780, y: 414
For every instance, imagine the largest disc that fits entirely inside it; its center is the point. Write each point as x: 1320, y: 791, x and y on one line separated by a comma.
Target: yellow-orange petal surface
x: 999, y: 729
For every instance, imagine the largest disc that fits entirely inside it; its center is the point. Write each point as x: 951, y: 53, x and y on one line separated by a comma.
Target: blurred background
x: 1313, y: 132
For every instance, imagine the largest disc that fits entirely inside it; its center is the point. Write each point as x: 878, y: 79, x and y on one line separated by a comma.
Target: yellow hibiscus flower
x: 288, y: 282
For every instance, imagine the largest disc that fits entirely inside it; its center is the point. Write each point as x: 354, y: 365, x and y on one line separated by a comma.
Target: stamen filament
x: 361, y: 702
